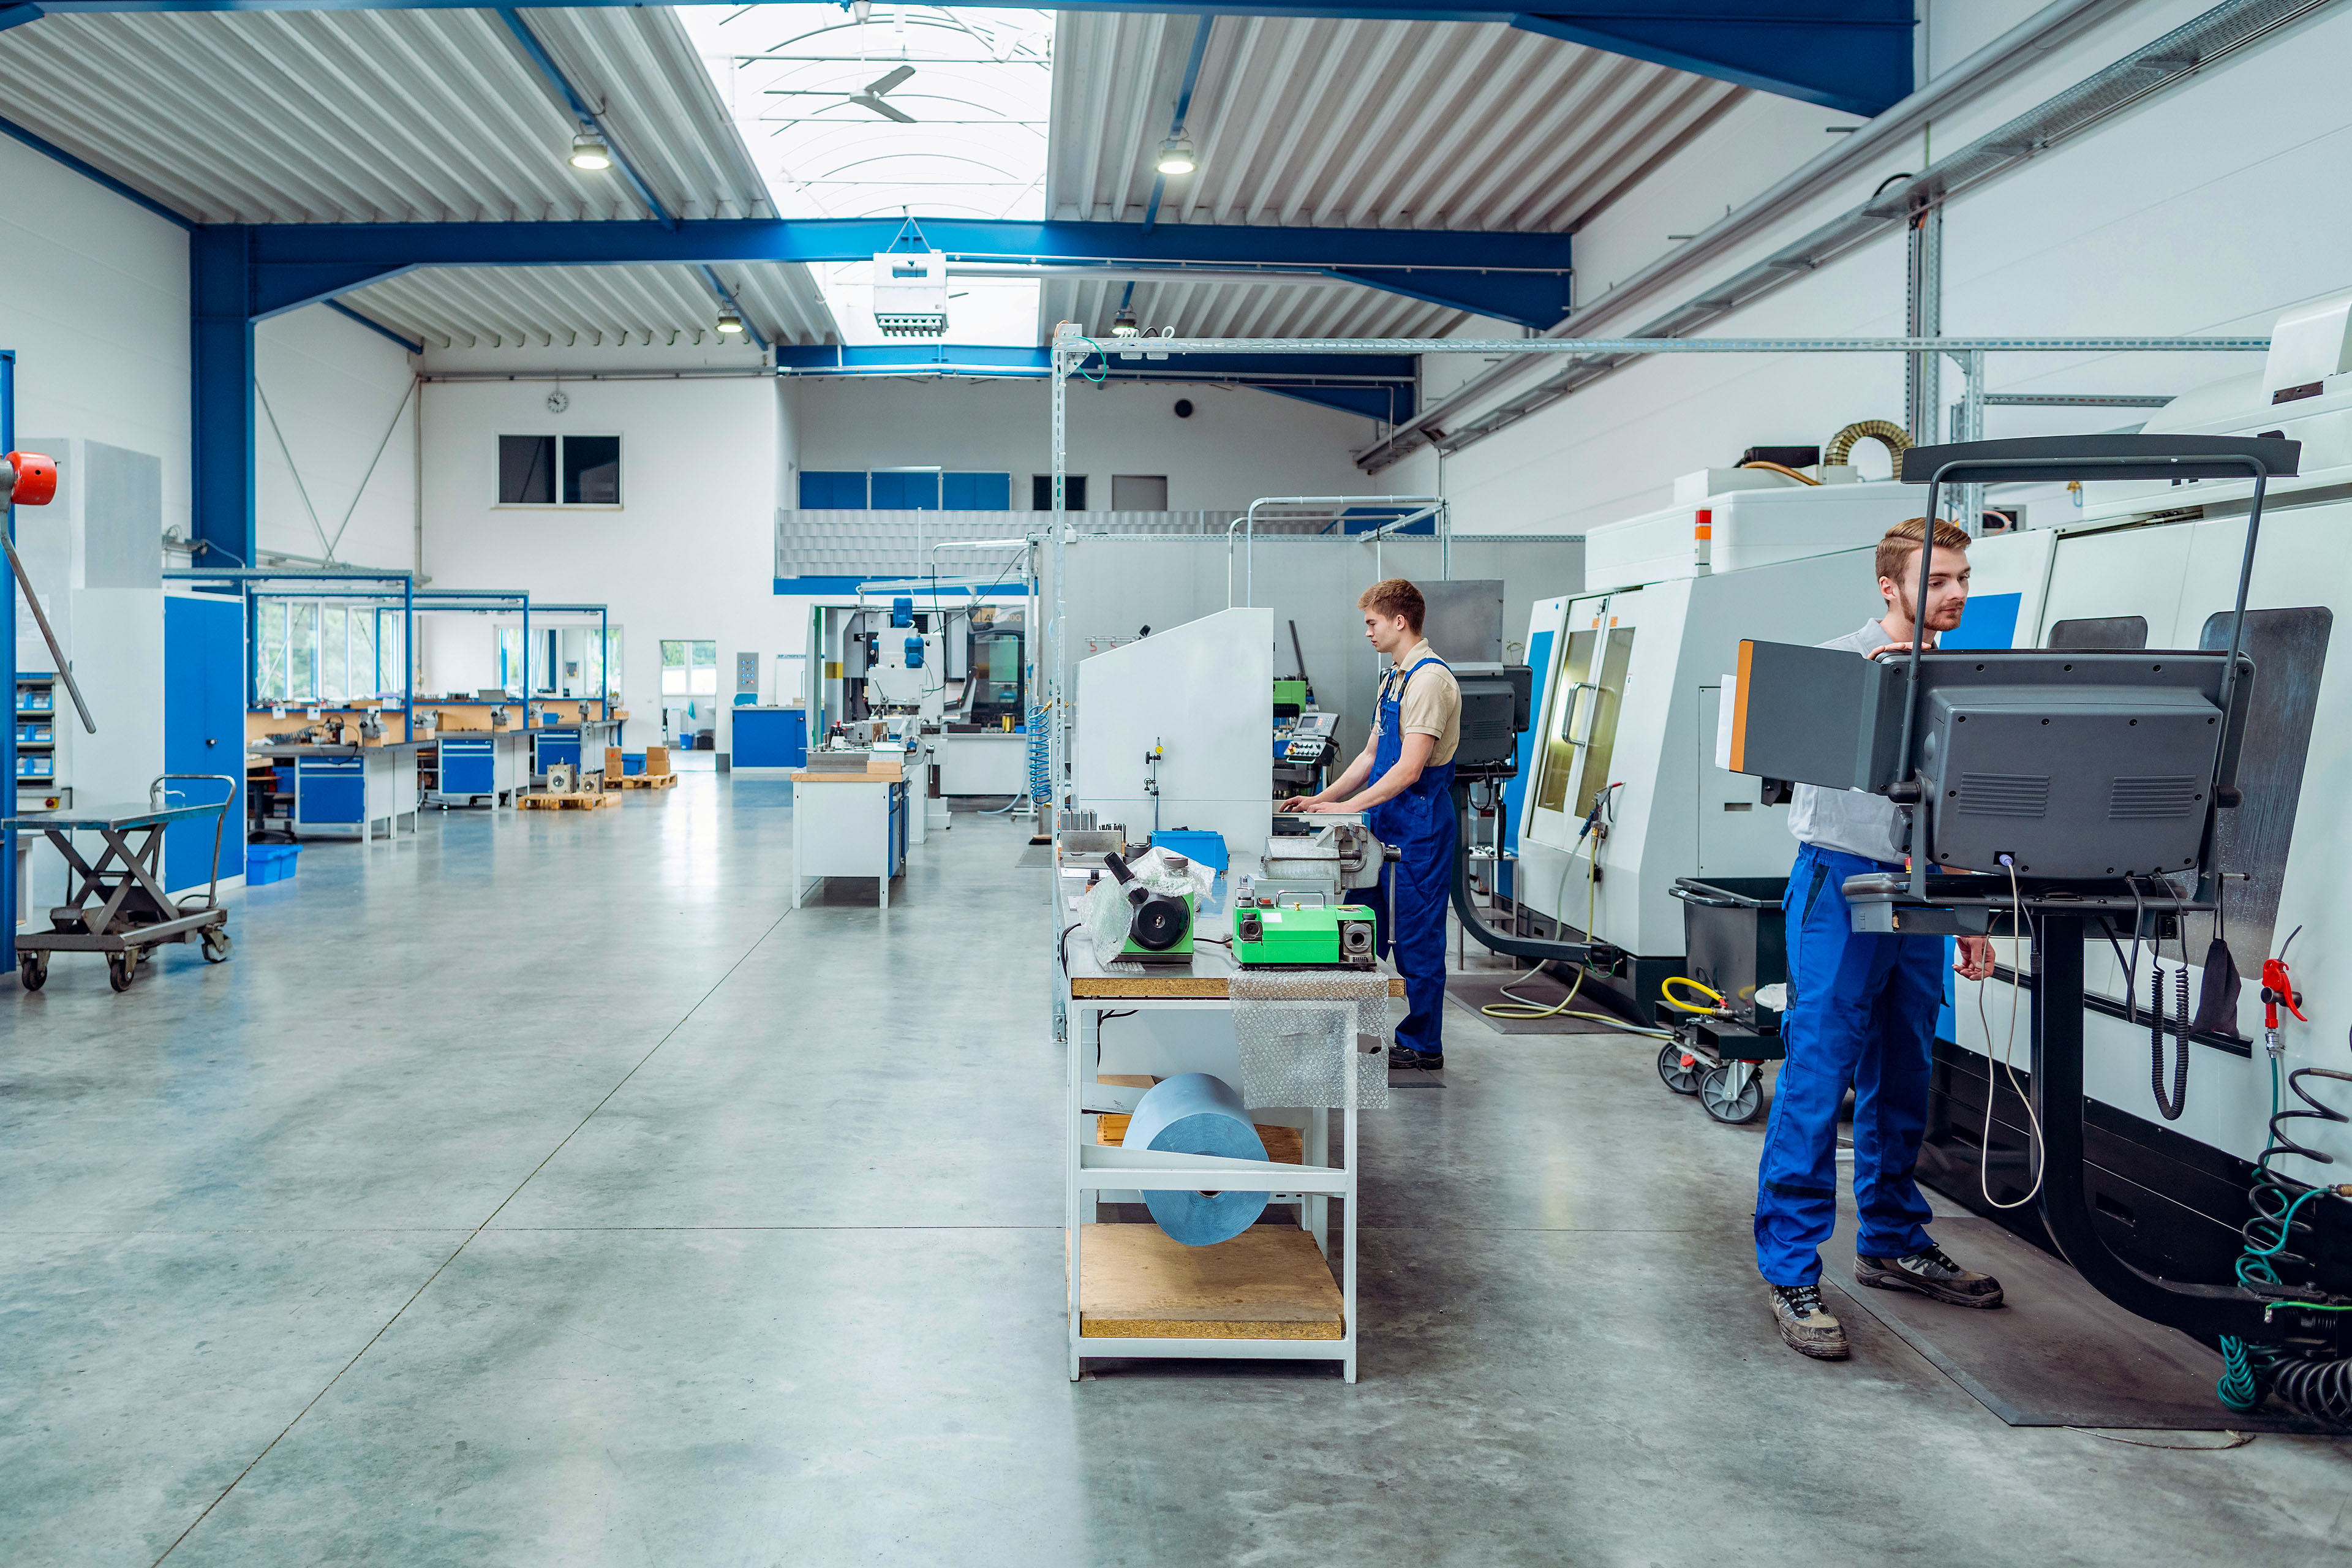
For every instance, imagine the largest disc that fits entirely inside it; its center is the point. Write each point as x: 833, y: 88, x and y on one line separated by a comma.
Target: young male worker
x: 1404, y: 780
x: 1862, y: 1011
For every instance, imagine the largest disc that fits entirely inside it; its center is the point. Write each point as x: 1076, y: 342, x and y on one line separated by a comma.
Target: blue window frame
x: 832, y: 490
x: 906, y: 489
x: 976, y: 492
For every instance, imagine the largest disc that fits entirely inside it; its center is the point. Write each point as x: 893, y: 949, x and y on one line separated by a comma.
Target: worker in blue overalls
x: 1862, y: 1013
x: 1403, y: 781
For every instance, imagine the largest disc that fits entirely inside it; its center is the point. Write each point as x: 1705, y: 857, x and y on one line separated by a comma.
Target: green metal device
x: 1303, y: 936
x: 1290, y: 694
x: 1158, y: 926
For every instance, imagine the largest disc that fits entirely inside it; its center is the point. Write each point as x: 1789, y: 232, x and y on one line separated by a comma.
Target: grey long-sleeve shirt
x: 1853, y: 820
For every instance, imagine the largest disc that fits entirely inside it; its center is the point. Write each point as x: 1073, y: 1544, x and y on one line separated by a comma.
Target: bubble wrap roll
x: 1298, y: 1029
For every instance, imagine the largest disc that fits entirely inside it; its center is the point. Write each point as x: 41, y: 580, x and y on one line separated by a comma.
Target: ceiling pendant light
x: 588, y: 151
x: 1176, y: 155
x: 731, y: 323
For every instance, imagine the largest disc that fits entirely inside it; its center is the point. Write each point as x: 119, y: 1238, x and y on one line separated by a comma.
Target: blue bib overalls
x: 1862, y: 1011
x: 1419, y: 821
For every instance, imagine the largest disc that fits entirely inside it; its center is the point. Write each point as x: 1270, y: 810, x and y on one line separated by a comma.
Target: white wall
x: 2204, y: 211
x: 94, y: 300
x: 690, y: 552
x: 1239, y: 444
x: 335, y: 388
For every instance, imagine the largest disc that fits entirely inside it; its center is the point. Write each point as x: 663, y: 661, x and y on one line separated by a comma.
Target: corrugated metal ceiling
x: 438, y: 115
x: 416, y: 116
x: 1347, y: 124
x: 528, y: 307
x: 1361, y: 124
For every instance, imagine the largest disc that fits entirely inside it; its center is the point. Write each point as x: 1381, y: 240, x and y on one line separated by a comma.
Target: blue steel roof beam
x: 588, y: 117
x: 373, y: 325
x: 17, y: 16
x: 1849, y: 55
x: 727, y: 298
x: 1183, y: 109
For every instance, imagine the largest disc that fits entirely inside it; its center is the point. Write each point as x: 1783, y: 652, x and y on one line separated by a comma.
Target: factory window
x: 976, y: 492
x: 1138, y: 492
x: 1041, y: 492
x: 824, y: 490
x: 559, y: 470
x: 906, y: 489
x: 689, y: 668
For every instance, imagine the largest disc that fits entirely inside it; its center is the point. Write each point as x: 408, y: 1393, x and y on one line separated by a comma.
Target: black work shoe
x: 1932, y: 1273
x: 1406, y: 1057
x: 1804, y: 1325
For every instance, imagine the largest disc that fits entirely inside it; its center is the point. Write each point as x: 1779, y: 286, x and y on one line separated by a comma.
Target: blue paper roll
x: 1198, y: 1114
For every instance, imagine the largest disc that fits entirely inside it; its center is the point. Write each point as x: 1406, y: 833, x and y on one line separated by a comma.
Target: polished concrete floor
x: 538, y: 1190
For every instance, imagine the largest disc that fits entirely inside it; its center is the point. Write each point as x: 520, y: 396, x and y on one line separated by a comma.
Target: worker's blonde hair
x: 1895, y: 550
x: 1395, y: 596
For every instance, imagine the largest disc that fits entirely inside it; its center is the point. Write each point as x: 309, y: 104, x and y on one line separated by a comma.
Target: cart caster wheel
x: 122, y: 968
x: 216, y: 946
x: 1680, y: 1078
x: 33, y: 969
x: 1732, y: 1093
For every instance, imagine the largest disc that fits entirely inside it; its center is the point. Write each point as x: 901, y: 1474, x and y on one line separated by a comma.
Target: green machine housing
x: 1303, y: 936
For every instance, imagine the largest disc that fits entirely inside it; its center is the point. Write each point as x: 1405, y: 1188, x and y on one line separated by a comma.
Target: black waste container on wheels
x: 1736, y: 945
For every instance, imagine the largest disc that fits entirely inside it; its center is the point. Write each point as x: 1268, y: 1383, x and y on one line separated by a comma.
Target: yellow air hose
x: 1666, y: 989
x: 1885, y: 432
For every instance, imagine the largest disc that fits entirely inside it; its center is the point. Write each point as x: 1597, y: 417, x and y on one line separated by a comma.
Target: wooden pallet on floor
x: 560, y: 801
x: 641, y: 781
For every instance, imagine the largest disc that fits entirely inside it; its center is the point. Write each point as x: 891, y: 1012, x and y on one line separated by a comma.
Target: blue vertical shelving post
x: 8, y: 639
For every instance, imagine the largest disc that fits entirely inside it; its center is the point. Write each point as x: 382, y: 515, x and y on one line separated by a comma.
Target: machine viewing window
x: 2121, y: 634
x: 1073, y: 492
x: 1579, y: 737
x: 689, y: 668
x: 559, y: 470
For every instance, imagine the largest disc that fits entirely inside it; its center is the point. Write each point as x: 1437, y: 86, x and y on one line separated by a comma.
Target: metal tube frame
x: 247, y: 578
x: 1247, y: 522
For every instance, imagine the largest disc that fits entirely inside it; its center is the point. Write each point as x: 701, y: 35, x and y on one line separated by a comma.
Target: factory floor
x: 537, y: 1189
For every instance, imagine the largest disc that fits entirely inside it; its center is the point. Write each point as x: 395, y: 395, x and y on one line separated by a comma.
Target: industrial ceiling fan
x: 872, y: 97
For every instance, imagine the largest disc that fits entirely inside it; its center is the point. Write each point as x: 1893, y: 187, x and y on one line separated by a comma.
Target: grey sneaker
x: 1932, y: 1273
x: 1805, y: 1327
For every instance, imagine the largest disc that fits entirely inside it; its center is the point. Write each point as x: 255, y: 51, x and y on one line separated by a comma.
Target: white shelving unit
x: 1092, y: 1169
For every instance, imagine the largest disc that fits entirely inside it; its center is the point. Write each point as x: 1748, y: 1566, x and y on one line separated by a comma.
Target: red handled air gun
x: 2277, y: 988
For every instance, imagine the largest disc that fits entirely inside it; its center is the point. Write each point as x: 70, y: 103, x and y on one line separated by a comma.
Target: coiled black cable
x: 2320, y: 1389
x: 2169, y: 1108
x: 2271, y: 1231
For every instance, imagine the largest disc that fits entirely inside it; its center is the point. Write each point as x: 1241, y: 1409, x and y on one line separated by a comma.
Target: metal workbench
x: 350, y: 789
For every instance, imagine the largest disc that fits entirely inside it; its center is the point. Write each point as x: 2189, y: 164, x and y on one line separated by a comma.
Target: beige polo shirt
x: 1432, y: 704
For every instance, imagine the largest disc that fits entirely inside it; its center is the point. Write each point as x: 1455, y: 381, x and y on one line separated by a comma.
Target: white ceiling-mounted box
x: 910, y: 293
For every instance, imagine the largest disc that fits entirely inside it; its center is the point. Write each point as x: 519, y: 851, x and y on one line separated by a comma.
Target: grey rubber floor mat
x: 2059, y: 1354
x: 1474, y: 990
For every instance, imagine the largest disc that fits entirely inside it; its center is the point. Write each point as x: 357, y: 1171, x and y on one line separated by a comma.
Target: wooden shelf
x: 1268, y: 1283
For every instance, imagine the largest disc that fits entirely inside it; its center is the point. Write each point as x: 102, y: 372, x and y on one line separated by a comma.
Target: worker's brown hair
x: 1395, y: 596
x: 1895, y: 550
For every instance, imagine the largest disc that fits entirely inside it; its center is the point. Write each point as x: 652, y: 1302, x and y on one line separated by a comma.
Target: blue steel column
x: 220, y: 305
x: 408, y: 659
x: 8, y: 640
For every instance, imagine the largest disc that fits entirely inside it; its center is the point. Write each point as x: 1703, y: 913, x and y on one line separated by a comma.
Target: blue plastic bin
x: 266, y: 863
x: 1199, y: 844
x: 633, y: 762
